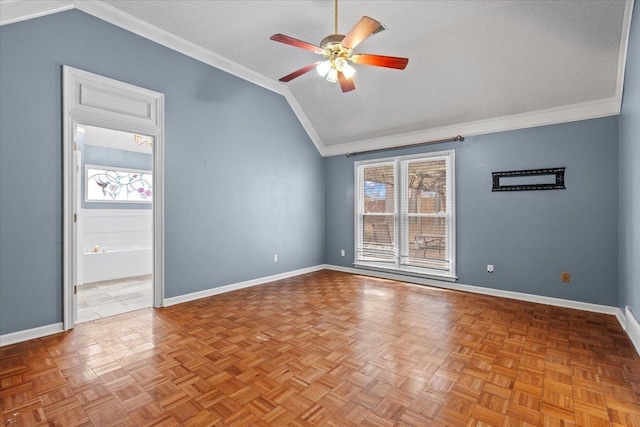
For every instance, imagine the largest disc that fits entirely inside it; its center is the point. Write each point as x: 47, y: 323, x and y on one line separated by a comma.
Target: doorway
x: 113, y: 197
x: 114, y: 239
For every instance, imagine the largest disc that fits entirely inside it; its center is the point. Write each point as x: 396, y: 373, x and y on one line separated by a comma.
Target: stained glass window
x: 118, y: 185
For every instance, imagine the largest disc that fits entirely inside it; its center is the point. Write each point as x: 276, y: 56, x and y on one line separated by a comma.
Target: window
x: 117, y: 185
x: 405, y: 215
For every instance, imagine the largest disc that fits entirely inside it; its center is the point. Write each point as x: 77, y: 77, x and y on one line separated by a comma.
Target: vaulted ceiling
x: 474, y: 67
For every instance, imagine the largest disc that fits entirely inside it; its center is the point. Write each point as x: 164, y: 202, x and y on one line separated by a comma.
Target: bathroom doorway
x: 113, y: 204
x: 114, y: 238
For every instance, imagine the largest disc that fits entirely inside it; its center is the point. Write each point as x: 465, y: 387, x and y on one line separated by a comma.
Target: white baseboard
x: 627, y: 320
x: 622, y: 320
x: 558, y: 302
x: 632, y: 328
x: 29, y: 334
x: 235, y: 286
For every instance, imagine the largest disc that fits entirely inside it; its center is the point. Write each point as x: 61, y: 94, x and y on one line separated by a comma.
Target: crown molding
x: 12, y: 11
x: 304, y: 121
x: 20, y: 10
x: 563, y: 114
x: 549, y: 116
x: 144, y: 29
x: 624, y: 46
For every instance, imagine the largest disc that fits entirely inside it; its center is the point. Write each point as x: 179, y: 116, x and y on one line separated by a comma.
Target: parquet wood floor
x: 329, y: 349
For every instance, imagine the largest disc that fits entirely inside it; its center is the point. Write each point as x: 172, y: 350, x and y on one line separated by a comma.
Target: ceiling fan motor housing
x: 333, y: 49
x: 331, y: 40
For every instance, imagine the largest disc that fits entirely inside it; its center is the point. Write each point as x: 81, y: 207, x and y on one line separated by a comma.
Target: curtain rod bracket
x: 438, y: 141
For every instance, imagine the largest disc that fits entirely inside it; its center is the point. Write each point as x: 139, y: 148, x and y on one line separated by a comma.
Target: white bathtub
x: 117, y: 264
x: 126, y: 238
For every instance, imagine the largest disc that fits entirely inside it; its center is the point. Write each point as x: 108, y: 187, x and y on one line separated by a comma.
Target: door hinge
x: 75, y: 146
x: 75, y: 289
x: 75, y: 217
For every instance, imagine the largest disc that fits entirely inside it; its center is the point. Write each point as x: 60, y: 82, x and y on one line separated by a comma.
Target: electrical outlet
x: 341, y: 252
x: 566, y: 277
x: 275, y: 258
x: 489, y: 268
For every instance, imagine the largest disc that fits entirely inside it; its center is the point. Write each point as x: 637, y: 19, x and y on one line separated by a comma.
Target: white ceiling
x: 474, y: 66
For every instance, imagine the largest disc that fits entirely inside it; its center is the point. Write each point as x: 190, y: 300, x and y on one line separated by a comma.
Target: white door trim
x: 94, y: 100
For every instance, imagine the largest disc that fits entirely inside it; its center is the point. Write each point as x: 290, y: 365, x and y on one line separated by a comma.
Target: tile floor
x: 108, y: 298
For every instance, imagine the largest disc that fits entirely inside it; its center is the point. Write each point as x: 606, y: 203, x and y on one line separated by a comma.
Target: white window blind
x: 377, y: 201
x: 405, y: 217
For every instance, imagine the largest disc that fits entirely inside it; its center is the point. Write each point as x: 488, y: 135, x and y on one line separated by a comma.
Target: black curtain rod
x: 439, y: 141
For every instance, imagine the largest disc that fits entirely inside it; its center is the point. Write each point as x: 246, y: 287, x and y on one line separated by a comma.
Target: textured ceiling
x: 469, y: 61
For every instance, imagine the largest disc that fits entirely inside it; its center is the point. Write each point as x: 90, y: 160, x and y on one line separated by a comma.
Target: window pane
x: 378, y: 237
x: 118, y: 185
x: 379, y: 189
x: 427, y: 242
x: 427, y: 187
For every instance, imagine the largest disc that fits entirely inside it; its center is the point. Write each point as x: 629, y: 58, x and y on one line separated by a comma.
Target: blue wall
x: 530, y: 237
x: 243, y: 180
x: 104, y: 156
x: 630, y: 174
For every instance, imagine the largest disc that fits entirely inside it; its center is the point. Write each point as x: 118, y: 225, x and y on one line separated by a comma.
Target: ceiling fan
x: 337, y: 50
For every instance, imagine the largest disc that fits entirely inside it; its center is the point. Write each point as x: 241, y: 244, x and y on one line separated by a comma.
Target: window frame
x: 401, y: 242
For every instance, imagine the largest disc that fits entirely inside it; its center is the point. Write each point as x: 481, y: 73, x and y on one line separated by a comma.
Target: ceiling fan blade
x: 380, y: 60
x: 299, y: 72
x: 364, y: 28
x: 297, y: 43
x: 346, y: 84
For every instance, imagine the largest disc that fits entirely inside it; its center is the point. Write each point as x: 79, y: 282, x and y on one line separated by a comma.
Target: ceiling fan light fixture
x: 340, y: 63
x: 337, y: 50
x: 332, y: 75
x: 348, y: 71
x: 323, y: 68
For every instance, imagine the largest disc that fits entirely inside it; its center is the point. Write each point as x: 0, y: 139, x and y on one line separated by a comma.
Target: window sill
x: 407, y: 271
